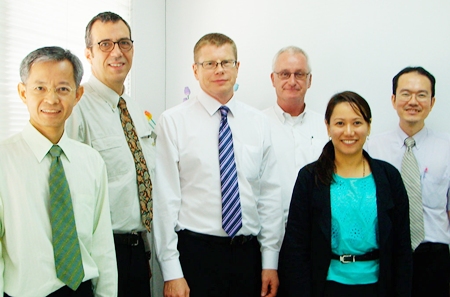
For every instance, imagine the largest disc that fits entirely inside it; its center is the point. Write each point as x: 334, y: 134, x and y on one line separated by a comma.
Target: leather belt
x: 129, y: 239
x: 429, y: 247
x: 237, y: 240
x: 345, y: 259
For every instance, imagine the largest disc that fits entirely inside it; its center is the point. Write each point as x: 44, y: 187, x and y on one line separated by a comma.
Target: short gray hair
x: 292, y: 50
x: 51, y: 53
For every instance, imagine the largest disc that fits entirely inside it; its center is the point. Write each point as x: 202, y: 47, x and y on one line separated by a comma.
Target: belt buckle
x: 136, y: 243
x: 237, y: 240
x: 345, y: 259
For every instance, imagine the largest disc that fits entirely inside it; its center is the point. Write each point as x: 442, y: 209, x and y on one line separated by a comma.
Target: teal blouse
x: 354, y: 229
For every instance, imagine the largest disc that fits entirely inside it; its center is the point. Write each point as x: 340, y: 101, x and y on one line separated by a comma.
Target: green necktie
x: 66, y: 248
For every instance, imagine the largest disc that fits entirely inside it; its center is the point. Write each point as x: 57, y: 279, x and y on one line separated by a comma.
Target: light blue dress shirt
x: 432, y: 152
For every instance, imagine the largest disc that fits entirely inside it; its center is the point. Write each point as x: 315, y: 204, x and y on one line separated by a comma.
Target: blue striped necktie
x: 66, y: 248
x: 411, y: 177
x: 231, y: 204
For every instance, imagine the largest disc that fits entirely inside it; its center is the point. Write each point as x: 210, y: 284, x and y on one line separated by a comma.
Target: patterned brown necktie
x: 143, y: 177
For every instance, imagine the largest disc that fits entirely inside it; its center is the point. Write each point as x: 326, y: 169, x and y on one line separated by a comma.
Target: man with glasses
x: 111, y: 122
x: 423, y: 158
x: 218, y: 218
x: 55, y: 224
x: 298, y: 133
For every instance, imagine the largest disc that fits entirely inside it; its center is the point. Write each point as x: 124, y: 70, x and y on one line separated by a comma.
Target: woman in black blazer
x: 316, y: 231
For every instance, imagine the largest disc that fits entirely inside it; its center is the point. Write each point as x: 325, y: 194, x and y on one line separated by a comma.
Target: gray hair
x: 51, y: 53
x: 292, y: 50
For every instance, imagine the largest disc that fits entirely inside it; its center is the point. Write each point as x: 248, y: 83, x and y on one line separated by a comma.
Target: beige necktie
x: 411, y: 178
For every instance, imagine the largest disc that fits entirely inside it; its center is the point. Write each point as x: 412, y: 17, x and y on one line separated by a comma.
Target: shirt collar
x: 419, y: 137
x: 107, y: 94
x: 40, y: 145
x: 212, y: 105
x: 286, y: 117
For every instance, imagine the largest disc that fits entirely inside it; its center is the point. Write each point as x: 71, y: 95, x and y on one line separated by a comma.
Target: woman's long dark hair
x: 325, y: 166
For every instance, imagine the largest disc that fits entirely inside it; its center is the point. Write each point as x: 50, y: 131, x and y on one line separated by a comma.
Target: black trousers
x: 431, y: 270
x: 133, y: 267
x: 214, y: 269
x: 335, y: 289
x: 84, y: 290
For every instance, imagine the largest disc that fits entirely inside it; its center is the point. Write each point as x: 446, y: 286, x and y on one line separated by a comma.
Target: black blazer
x: 306, y: 251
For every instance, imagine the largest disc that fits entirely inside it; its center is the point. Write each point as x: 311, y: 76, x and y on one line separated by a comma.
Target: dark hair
x: 104, y: 17
x: 216, y: 39
x: 51, y: 53
x: 419, y: 70
x: 325, y: 166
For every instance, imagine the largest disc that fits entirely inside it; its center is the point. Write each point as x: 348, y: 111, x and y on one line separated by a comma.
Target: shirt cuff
x: 270, y: 260
x: 171, y: 269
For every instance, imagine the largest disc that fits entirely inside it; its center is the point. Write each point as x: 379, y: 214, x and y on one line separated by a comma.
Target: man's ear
x: 79, y: 93
x: 393, y: 101
x: 272, y: 79
x: 309, y: 80
x: 88, y: 54
x: 21, y: 89
x: 195, y: 69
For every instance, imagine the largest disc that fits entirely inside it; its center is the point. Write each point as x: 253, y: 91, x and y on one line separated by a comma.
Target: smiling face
x: 413, y: 101
x: 217, y: 82
x: 291, y: 91
x: 50, y: 94
x: 111, y: 68
x: 348, y: 130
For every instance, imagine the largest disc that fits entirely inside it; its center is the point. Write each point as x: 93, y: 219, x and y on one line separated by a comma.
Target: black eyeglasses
x: 108, y: 45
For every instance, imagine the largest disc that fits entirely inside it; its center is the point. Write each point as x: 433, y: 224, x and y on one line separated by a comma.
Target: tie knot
x: 55, y: 151
x: 410, y: 142
x: 122, y: 104
x: 224, y: 110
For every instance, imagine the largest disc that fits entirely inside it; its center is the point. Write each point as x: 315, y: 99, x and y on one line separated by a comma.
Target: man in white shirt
x: 413, y: 97
x: 197, y: 256
x: 97, y: 121
x: 29, y: 251
x: 298, y: 133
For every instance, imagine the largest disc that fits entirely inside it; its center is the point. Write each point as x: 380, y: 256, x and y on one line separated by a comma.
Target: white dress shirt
x: 432, y: 152
x: 187, y: 186
x: 95, y: 120
x: 297, y: 141
x: 27, y: 262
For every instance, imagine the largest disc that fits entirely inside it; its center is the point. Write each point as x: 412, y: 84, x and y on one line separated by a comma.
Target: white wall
x: 353, y: 45
x: 148, y: 78
x: 148, y: 73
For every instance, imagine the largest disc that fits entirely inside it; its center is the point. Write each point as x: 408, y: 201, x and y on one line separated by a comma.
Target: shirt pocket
x: 434, y: 191
x: 111, y: 150
x: 249, y: 159
x: 148, y: 141
x: 84, y: 211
